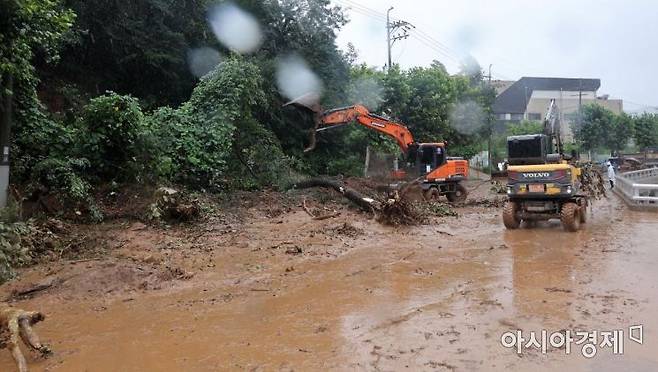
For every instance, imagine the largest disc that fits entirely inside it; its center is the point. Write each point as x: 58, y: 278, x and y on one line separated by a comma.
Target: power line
x: 371, y: 10
x: 641, y: 104
x: 436, y: 49
x: 437, y: 45
x: 363, y: 10
x: 415, y: 35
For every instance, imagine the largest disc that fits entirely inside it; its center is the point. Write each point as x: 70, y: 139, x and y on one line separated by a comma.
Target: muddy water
x: 434, y: 297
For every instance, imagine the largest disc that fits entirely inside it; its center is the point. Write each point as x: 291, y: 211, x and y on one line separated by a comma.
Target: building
x: 529, y: 97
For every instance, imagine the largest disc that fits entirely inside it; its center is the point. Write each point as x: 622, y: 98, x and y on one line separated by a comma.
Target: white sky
x: 616, y: 41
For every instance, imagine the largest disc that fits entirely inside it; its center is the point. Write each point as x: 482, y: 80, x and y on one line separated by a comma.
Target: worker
x: 611, y: 175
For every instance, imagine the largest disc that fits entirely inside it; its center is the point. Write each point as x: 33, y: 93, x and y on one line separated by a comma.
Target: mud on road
x: 272, y: 289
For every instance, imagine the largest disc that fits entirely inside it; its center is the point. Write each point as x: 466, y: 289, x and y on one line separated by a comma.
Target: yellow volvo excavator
x: 543, y: 183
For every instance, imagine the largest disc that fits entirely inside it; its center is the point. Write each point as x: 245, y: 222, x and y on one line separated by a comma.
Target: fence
x: 637, y: 190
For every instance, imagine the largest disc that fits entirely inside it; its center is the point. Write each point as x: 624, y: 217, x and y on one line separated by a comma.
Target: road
x: 282, y: 292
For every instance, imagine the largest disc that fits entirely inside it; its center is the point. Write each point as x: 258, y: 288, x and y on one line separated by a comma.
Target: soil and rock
x: 261, y: 285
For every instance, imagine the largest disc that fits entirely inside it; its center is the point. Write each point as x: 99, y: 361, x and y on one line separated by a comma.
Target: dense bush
x: 111, y: 137
x: 214, y: 140
x: 63, y: 176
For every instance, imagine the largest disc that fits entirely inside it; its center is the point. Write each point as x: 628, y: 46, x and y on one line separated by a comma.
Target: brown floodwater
x: 432, y: 297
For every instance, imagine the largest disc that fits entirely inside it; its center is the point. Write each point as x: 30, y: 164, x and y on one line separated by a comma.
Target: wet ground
x: 276, y: 290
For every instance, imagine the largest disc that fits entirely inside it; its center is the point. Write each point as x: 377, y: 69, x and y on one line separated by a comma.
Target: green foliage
x: 140, y: 47
x: 13, y: 252
x: 596, y: 120
x: 37, y: 137
x: 29, y: 28
x: 525, y: 127
x: 111, y: 137
x: 426, y: 112
x: 602, y: 128
x: 439, y: 107
x: 232, y: 132
x: 63, y: 177
x: 620, y: 133
x: 437, y: 209
x: 214, y: 140
x: 646, y: 130
x: 134, y: 47
x: 26, y: 27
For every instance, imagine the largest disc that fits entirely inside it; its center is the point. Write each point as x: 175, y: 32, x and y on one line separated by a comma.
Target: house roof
x: 514, y: 99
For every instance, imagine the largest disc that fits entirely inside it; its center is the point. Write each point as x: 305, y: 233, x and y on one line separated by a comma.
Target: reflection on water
x: 543, y: 265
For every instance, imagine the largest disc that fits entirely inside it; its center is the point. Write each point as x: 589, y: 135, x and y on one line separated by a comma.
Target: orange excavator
x: 441, y: 175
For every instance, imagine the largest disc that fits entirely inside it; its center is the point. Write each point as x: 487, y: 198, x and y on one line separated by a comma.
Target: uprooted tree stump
x: 397, y: 210
x: 15, y: 325
x: 394, y: 210
x: 172, y: 204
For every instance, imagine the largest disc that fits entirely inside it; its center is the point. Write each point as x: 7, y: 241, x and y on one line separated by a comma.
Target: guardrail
x: 637, y: 190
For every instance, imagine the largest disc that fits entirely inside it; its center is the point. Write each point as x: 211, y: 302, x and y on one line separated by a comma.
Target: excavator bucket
x: 308, y: 103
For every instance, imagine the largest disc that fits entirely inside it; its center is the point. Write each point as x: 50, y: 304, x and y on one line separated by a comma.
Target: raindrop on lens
x: 296, y: 80
x: 235, y: 29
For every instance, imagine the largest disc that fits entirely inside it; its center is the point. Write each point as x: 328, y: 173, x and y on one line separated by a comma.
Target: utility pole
x: 388, y: 37
x: 489, y: 154
x: 580, y: 103
x: 397, y: 30
x: 6, y: 103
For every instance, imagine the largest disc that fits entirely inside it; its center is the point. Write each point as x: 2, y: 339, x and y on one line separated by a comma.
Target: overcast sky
x: 616, y: 41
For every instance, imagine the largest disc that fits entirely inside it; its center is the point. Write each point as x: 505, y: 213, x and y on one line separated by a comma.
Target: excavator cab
x: 430, y: 157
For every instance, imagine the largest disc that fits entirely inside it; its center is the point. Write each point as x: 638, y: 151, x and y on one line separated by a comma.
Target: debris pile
x: 395, y: 209
x: 398, y: 210
x: 170, y: 204
x: 592, y: 181
x: 348, y: 230
x: 437, y: 209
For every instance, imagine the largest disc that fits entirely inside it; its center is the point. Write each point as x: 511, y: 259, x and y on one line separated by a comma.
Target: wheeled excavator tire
x: 459, y: 196
x: 510, y: 218
x: 571, y: 217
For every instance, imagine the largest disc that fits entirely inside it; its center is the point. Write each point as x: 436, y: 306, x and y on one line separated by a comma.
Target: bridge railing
x: 639, y: 188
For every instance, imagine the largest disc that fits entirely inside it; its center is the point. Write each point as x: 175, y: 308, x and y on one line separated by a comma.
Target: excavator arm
x: 552, y: 127
x: 361, y: 115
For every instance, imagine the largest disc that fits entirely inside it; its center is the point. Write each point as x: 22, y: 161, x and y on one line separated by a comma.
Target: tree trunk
x: 365, y: 203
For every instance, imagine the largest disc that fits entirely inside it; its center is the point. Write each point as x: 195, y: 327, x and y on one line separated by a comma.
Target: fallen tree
x: 365, y: 203
x: 395, y: 209
x: 15, y: 325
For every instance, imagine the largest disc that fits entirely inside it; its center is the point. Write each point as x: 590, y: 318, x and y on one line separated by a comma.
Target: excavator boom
x: 361, y: 115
